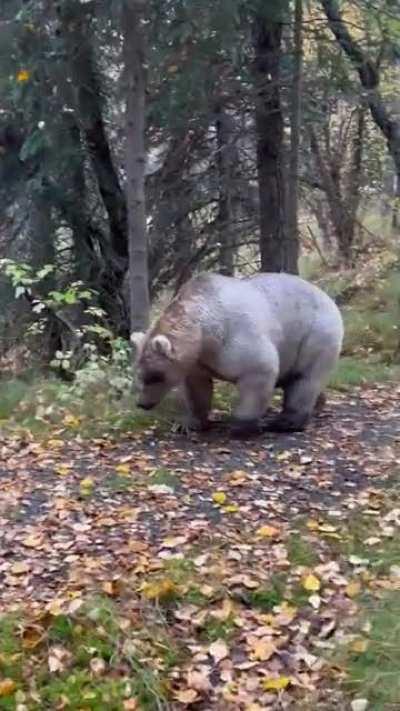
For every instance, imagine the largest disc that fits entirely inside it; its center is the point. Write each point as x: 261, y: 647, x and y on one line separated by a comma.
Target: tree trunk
x: 267, y: 36
x: 368, y: 73
x: 353, y: 184
x: 226, y: 168
x: 295, y: 127
x: 342, y: 191
x: 75, y: 22
x: 135, y: 163
x: 41, y: 233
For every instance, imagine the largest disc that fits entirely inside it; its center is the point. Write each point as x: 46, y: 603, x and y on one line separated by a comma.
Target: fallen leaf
x: 57, y: 658
x: 353, y: 589
x: 71, y: 421
x: 32, y: 636
x: 276, y: 684
x: 312, y: 524
x: 174, y: 542
x: 159, y: 589
x: 311, y: 583
x: 218, y: 650
x: 186, y: 696
x: 97, y: 666
x: 224, y: 612
x: 123, y: 469
x: 359, y: 646
x: 63, y: 469
x: 20, y: 567
x: 356, y: 560
x: 359, y: 705
x: 198, y: 679
x: 130, y: 705
x: 7, y: 687
x: 263, y: 649
x: 219, y: 497
x: 35, y: 540
x: 86, y: 483
x: 231, y: 508
x: 268, y: 532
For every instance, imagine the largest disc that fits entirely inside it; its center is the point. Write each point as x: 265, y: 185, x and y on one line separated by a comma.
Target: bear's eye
x: 153, y: 378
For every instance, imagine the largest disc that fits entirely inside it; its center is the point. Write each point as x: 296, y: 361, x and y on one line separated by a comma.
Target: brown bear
x: 260, y: 332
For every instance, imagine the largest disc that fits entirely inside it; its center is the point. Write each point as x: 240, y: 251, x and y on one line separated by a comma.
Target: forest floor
x: 158, y: 571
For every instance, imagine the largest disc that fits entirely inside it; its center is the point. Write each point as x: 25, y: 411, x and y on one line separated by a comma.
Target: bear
x: 259, y: 332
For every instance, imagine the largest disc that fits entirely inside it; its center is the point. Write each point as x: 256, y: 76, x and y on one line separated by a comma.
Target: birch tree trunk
x: 225, y: 161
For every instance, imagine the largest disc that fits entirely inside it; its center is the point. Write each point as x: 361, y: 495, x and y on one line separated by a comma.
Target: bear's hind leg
x: 198, y: 392
x: 299, y: 401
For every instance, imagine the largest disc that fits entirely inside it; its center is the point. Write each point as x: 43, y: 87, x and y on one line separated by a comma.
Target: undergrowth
x: 101, y: 399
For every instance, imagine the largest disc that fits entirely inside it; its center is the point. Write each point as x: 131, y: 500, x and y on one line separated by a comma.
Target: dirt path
x: 82, y: 516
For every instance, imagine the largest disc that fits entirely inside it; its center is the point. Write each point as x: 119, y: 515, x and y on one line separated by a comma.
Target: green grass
x: 374, y: 673
x: 164, y: 477
x: 91, y: 634
x: 268, y: 597
x: 354, y: 371
x: 301, y: 551
x: 214, y: 629
x: 380, y: 556
x: 12, y: 392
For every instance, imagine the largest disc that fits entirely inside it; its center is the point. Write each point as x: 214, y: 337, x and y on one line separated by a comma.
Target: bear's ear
x: 162, y: 345
x: 137, y: 338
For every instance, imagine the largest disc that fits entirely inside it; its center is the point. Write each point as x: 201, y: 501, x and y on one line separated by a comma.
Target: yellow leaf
x: 231, y: 508
x: 268, y: 532
x: 312, y: 524
x: 311, y: 583
x: 63, y: 469
x: 353, y: 589
x: 159, y: 589
x: 55, y: 443
x: 172, y: 69
x: 123, y: 469
x: 7, y: 687
x: 327, y: 528
x: 276, y: 684
x: 359, y: 646
x: 86, y: 483
x: 219, y: 497
x: 23, y: 76
x: 71, y: 421
x: 86, y: 486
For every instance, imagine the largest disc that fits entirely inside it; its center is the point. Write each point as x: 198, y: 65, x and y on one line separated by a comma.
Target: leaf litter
x: 237, y: 554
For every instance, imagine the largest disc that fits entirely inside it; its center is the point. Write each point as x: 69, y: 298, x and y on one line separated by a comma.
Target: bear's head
x: 157, y: 367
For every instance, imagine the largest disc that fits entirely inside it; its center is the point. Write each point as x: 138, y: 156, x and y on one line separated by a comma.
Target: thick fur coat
x: 261, y: 332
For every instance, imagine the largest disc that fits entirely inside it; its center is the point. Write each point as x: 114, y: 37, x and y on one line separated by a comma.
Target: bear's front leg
x: 255, y: 392
x: 198, y: 392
